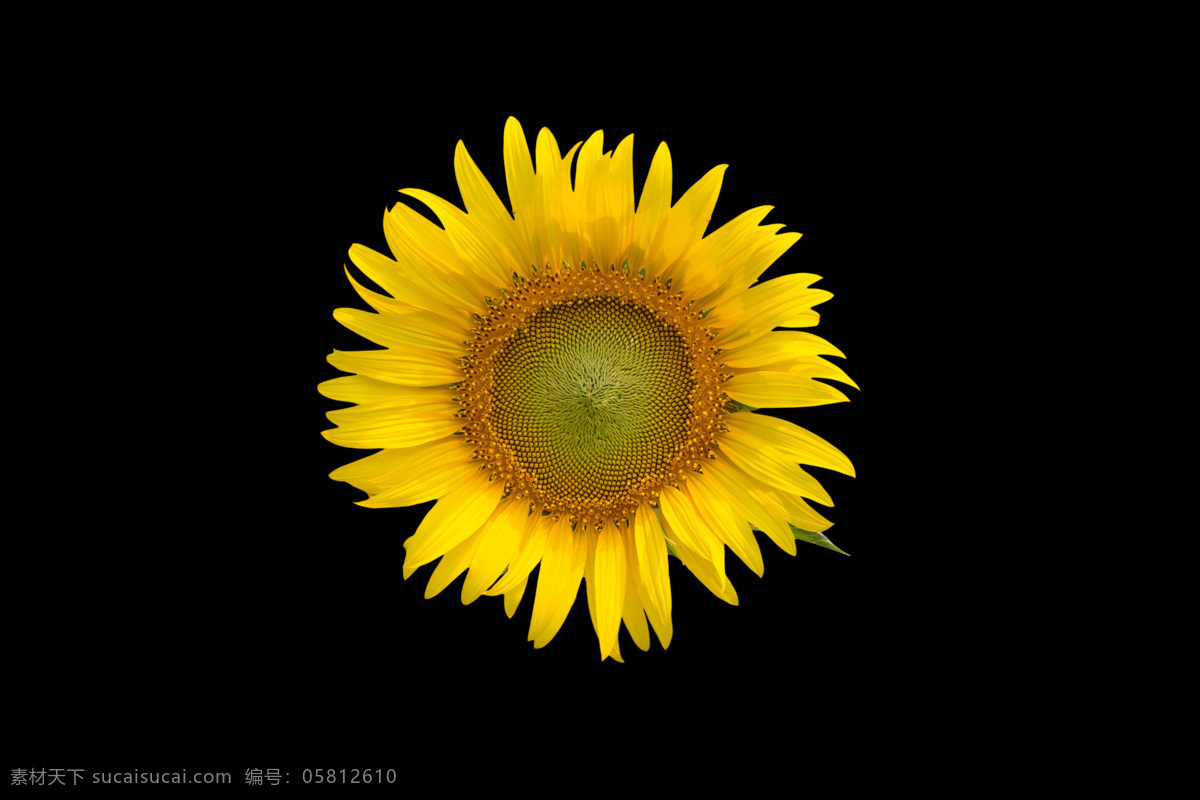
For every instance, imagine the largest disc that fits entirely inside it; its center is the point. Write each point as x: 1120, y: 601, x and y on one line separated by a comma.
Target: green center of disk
x: 592, y: 398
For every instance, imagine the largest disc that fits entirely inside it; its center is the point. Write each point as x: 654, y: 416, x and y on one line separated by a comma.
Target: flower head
x: 575, y: 382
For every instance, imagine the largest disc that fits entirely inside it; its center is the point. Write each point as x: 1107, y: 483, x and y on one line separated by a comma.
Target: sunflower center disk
x: 588, y: 391
x: 592, y: 399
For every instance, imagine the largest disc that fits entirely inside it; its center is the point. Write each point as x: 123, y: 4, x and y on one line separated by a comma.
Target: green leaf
x: 671, y: 551
x: 816, y: 538
x: 739, y: 406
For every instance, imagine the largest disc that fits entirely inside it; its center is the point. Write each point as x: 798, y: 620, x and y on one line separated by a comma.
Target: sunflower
x: 574, y: 383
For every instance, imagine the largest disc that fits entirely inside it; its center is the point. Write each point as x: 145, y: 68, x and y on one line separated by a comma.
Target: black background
x: 231, y: 586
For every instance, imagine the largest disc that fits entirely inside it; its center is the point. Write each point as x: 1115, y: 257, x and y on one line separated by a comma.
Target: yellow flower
x: 574, y: 383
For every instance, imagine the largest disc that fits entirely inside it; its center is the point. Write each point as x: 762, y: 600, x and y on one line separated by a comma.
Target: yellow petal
x: 529, y: 553
x: 802, y: 445
x: 799, y: 512
x: 707, y: 574
x: 484, y: 206
x: 650, y: 547
x: 499, y: 546
x: 632, y: 613
x: 439, y: 322
x: 422, y: 243
x: 810, y: 367
x: 729, y: 486
x: 558, y: 581
x: 382, y: 304
x: 729, y: 526
x: 451, y: 565
x: 417, y: 287
x: 589, y: 174
x: 404, y: 401
x: 392, y: 467
x: 413, y: 285
x: 479, y: 198
x: 786, y: 301
x: 453, y: 518
x: 385, y: 425
x: 388, y: 274
x: 765, y: 463
x: 476, y: 248
x: 436, y: 264
x: 589, y: 581
x: 562, y: 213
x: 407, y: 368
x: 414, y: 484
x: 589, y: 577
x: 690, y: 528
x: 610, y: 585
x: 618, y: 199
x: 715, y: 260
x: 776, y: 347
x: 549, y: 162
x: 512, y: 598
x: 685, y: 226
x: 398, y: 332
x: 591, y: 185
x: 652, y: 208
x: 361, y: 389
x: 518, y: 172
x: 751, y: 265
x: 549, y: 157
x: 663, y: 626
x: 781, y: 390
